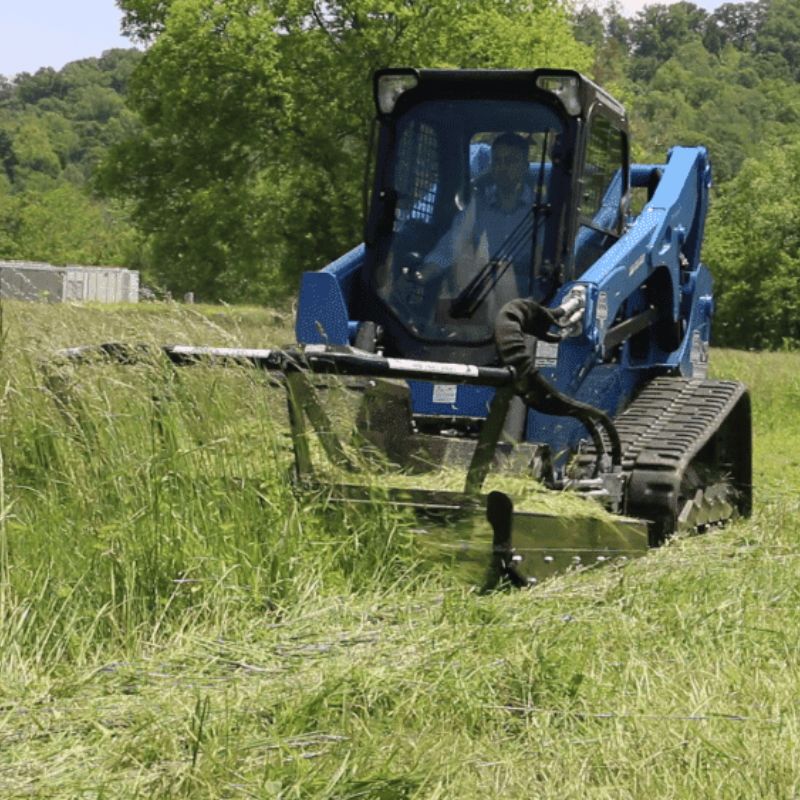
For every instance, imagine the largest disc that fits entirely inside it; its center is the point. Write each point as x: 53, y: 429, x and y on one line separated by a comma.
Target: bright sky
x: 630, y: 7
x: 51, y: 33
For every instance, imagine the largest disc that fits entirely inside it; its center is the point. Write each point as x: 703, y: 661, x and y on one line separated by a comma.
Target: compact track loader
x: 510, y: 310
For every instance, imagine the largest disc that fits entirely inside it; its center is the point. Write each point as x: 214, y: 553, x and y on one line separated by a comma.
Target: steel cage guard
x: 505, y: 562
x: 303, y: 402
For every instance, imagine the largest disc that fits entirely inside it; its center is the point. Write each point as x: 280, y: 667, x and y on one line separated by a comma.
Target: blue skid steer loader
x: 509, y: 309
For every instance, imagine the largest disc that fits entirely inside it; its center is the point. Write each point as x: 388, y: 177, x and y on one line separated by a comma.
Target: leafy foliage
x: 210, y: 100
x: 756, y: 255
x: 55, y: 126
x: 231, y: 154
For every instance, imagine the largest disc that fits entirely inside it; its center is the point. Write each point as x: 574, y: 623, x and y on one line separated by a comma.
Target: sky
x: 51, y: 33
x: 630, y: 7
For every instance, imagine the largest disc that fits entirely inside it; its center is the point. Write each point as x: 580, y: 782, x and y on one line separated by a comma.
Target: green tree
x: 6, y: 89
x: 778, y: 37
x: 64, y: 226
x: 8, y: 158
x: 753, y: 249
x: 256, y: 121
x: 33, y: 148
x: 736, y: 24
x: 44, y: 83
x: 659, y: 30
x: 608, y: 33
x: 9, y: 221
x: 210, y: 99
x: 54, y: 125
x: 717, y: 100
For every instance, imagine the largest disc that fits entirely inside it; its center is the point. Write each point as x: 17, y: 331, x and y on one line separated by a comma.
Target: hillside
x: 166, y: 634
x: 56, y: 127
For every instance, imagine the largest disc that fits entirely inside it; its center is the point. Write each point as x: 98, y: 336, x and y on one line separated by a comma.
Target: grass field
x: 165, y: 633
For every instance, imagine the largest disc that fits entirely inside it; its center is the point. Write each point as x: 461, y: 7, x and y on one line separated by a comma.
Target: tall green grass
x: 176, y: 621
x: 139, y: 495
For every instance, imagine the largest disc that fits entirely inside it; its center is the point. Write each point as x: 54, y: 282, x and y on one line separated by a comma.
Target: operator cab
x: 446, y: 245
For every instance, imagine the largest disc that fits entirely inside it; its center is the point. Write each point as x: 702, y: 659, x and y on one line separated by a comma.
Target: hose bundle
x: 522, y: 317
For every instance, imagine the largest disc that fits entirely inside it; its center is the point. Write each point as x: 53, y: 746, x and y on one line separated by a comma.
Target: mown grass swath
x: 177, y: 621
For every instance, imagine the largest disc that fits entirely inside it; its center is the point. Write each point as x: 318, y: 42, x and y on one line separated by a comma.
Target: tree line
x: 230, y: 155
x: 56, y: 127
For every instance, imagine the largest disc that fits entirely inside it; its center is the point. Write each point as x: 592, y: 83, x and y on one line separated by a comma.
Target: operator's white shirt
x: 484, y: 231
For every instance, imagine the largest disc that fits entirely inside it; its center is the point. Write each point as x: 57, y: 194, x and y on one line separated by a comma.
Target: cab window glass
x: 603, y: 188
x: 604, y: 160
x: 469, y: 186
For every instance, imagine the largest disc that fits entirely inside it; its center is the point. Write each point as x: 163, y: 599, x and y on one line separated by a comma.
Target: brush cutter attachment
x: 517, y: 546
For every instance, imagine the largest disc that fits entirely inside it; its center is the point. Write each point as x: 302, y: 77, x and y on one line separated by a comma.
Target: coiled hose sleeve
x: 522, y: 317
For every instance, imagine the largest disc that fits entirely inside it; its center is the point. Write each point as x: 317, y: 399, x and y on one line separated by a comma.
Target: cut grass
x: 168, y: 634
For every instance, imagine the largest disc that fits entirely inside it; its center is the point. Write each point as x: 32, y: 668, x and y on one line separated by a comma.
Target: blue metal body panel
x: 654, y: 241
x: 606, y: 387
x: 323, y: 315
x: 662, y: 243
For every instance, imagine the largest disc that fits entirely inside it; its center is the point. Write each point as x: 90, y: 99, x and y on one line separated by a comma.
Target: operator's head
x: 509, y: 162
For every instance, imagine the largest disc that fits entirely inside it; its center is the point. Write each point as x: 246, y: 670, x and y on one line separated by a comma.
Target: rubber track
x: 661, y: 432
x: 671, y: 419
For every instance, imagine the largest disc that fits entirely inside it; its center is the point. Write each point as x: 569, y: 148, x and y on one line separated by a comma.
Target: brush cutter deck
x: 523, y: 547
x: 519, y: 546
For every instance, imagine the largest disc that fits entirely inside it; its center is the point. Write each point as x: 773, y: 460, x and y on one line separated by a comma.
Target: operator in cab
x: 485, y: 258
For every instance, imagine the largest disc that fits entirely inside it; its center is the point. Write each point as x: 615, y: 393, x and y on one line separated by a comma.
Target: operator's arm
x: 451, y: 246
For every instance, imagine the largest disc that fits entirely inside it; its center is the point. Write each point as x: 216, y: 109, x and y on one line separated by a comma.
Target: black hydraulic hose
x: 522, y: 317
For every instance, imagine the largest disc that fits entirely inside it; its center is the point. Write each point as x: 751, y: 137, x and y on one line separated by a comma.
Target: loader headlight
x: 566, y: 88
x: 390, y: 87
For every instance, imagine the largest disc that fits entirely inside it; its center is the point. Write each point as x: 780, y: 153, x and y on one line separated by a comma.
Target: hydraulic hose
x: 522, y: 317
